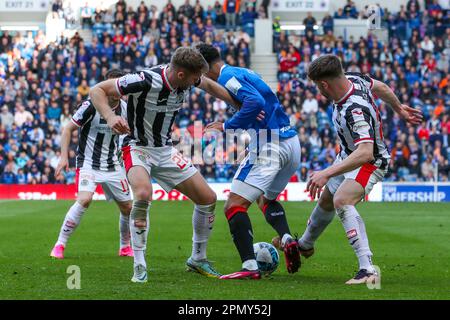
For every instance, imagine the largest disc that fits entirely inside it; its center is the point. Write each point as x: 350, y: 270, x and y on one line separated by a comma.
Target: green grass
x: 410, y: 241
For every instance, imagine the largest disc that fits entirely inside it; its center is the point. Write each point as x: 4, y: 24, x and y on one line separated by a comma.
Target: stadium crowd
x: 41, y: 84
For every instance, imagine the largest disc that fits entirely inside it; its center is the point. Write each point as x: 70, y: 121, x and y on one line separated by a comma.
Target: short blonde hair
x: 189, y: 59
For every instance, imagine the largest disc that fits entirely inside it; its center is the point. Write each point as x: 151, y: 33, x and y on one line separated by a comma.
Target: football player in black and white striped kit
x: 362, y: 162
x: 96, y: 163
x: 154, y: 97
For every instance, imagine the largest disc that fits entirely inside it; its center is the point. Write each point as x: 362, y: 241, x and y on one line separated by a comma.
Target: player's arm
x: 216, y: 90
x: 99, y: 95
x: 251, y: 108
x: 381, y: 90
x: 66, y: 135
x: 128, y: 84
x: 362, y: 155
x: 360, y: 121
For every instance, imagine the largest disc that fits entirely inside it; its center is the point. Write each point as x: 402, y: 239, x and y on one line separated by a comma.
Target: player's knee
x: 340, y: 201
x: 143, y: 193
x: 261, y: 201
x: 85, y: 201
x: 326, y: 204
x: 212, y: 198
x: 125, y: 207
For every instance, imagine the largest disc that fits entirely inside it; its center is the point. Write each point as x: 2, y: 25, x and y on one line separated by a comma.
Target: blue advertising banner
x: 416, y: 192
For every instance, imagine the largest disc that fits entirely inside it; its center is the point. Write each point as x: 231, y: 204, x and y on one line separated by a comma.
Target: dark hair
x: 325, y: 67
x: 189, y: 59
x: 114, y: 73
x: 209, y: 52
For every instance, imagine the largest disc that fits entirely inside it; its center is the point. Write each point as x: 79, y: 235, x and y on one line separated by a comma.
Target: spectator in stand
x: 350, y: 10
x: 327, y: 24
x: 86, y: 16
x: 231, y: 9
x: 309, y: 22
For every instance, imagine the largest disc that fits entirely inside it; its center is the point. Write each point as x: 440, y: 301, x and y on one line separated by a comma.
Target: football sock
x: 241, y: 232
x: 356, y: 235
x: 317, y: 223
x: 250, y: 265
x: 71, y: 221
x: 139, y: 235
x: 202, y: 224
x: 276, y: 217
x: 124, y: 227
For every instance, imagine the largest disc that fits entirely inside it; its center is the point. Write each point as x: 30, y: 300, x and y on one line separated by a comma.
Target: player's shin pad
x: 241, y: 231
x: 203, y: 222
x: 276, y: 217
x: 139, y: 213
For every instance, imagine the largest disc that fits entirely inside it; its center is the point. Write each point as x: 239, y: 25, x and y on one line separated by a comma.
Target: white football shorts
x: 268, y: 170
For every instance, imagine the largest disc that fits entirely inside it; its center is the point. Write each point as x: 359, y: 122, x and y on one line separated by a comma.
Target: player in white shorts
x: 96, y: 163
x: 362, y: 161
x: 273, y: 158
x: 155, y: 96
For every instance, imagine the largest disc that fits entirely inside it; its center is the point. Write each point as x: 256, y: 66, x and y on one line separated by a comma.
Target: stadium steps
x: 86, y: 34
x: 267, y: 66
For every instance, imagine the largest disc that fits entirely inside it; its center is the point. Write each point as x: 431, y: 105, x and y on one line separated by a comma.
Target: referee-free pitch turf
x: 410, y: 242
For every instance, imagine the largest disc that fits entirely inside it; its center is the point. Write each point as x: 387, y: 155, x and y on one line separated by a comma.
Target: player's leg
x: 346, y: 197
x: 138, y: 173
x: 288, y: 152
x: 124, y: 228
x: 203, y: 216
x: 115, y: 186
x: 250, y: 182
x: 71, y: 222
x: 139, y: 179
x: 320, y: 218
x: 86, y: 183
x: 241, y: 230
x: 276, y: 216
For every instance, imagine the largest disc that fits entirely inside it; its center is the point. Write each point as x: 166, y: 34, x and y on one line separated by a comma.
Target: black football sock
x: 241, y: 231
x: 276, y: 217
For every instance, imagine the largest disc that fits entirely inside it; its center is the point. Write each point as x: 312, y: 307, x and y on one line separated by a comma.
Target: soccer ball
x: 267, y: 257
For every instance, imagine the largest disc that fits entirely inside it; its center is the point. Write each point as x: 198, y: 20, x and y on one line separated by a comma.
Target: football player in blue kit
x: 273, y: 157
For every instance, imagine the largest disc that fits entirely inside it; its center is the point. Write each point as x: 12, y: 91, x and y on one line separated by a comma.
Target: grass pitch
x: 410, y: 241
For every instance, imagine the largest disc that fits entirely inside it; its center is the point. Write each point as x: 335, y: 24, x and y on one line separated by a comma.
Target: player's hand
x: 317, y: 181
x: 410, y: 115
x: 118, y: 125
x: 216, y: 125
x: 62, y: 164
x: 261, y: 116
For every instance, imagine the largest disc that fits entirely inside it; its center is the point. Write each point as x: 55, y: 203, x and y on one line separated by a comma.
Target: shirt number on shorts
x: 180, y: 161
x: 124, y: 184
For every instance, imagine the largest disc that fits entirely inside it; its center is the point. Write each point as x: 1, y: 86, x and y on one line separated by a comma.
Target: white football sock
x: 71, y: 221
x: 285, y: 238
x: 140, y: 211
x: 250, y: 265
x: 202, y: 224
x: 317, y: 223
x: 356, y: 235
x: 124, y: 227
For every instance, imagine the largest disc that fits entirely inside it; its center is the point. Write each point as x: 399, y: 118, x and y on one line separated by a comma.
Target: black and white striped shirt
x: 152, y: 106
x: 98, y: 145
x: 356, y: 119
